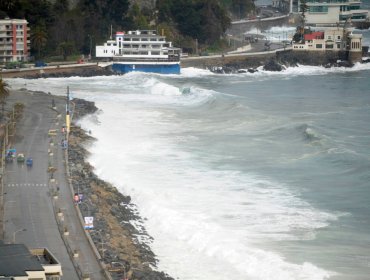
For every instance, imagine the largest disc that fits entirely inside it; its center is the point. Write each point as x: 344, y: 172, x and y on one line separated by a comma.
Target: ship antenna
x: 111, y: 32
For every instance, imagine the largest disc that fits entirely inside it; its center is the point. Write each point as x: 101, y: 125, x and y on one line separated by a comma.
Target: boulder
x: 272, y: 65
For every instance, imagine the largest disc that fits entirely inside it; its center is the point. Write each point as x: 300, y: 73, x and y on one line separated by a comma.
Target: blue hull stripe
x: 161, y: 69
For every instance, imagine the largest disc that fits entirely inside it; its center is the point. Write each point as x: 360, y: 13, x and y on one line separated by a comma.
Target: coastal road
x: 30, y: 200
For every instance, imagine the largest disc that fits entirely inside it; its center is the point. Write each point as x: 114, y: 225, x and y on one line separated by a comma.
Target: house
x: 14, y: 40
x: 336, y: 39
x: 332, y: 40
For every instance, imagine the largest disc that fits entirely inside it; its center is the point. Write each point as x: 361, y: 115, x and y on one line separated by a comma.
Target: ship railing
x: 128, y: 59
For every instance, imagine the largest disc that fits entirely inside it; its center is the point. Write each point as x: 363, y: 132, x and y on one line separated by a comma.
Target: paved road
x: 29, y: 203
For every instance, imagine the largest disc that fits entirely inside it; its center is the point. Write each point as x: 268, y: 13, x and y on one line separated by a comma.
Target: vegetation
x: 59, y: 28
x: 4, y: 93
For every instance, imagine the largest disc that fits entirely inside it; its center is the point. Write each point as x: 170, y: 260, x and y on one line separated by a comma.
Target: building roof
x: 16, y: 259
x: 12, y: 20
x: 314, y: 35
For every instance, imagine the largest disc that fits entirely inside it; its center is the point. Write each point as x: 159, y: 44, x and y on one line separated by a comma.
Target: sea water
x: 246, y: 176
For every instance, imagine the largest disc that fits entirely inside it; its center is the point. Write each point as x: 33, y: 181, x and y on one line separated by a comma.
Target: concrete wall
x: 309, y: 57
x: 242, y: 26
x: 24, y: 72
x: 239, y: 61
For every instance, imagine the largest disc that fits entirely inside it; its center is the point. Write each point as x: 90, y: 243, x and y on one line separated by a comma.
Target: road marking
x: 28, y: 185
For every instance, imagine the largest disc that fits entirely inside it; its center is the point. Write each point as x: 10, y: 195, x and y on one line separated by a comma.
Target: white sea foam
x: 208, y: 222
x: 199, y: 217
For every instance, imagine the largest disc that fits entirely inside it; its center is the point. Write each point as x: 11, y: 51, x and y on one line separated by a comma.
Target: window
x: 318, y: 9
x: 318, y: 46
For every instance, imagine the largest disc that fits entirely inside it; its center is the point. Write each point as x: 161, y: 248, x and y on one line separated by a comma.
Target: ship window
x: 135, y: 46
x: 155, y: 53
x: 126, y: 46
x: 318, y: 46
x: 135, y: 39
x: 144, y: 53
x: 153, y: 39
x: 126, y: 39
x: 144, y: 39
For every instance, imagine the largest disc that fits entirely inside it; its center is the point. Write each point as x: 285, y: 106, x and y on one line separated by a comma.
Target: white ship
x: 141, y: 50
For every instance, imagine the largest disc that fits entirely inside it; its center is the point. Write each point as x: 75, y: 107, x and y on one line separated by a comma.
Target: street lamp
x: 90, y: 46
x: 14, y: 233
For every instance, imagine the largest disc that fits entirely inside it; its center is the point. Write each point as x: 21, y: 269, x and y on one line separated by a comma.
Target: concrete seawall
x: 242, y: 60
x: 39, y: 71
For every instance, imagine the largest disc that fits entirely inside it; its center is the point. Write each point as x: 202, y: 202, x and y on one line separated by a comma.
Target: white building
x: 137, y: 44
x: 14, y: 40
x: 333, y: 12
x: 336, y: 39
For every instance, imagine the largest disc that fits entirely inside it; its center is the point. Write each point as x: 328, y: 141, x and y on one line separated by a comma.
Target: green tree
x: 214, y: 21
x: 303, y: 8
x: 66, y: 49
x: 4, y: 93
x: 137, y: 17
x: 38, y: 38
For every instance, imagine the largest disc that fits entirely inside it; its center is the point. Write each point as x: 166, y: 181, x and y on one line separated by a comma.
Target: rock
x: 251, y: 70
x: 272, y: 65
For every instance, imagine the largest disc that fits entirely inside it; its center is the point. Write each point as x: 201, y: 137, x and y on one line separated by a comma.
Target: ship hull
x: 122, y: 68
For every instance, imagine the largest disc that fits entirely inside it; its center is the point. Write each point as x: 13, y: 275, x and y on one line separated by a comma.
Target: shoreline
x: 112, y: 210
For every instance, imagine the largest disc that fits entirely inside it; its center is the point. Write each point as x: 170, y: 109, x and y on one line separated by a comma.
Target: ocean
x: 244, y: 176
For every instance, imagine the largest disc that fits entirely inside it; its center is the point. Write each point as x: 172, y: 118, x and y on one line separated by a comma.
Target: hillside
x: 73, y: 27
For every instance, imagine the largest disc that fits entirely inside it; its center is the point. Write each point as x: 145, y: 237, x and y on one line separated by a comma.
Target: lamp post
x: 14, y: 233
x: 90, y: 46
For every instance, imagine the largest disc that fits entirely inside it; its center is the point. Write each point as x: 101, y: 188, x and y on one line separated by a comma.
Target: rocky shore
x: 280, y: 61
x: 113, y: 212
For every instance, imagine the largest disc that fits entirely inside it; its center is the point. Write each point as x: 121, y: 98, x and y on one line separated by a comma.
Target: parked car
x: 20, y: 158
x: 40, y: 64
x: 29, y: 162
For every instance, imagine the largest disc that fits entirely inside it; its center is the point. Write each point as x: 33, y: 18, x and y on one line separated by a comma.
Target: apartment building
x: 14, y: 40
x: 333, y: 12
